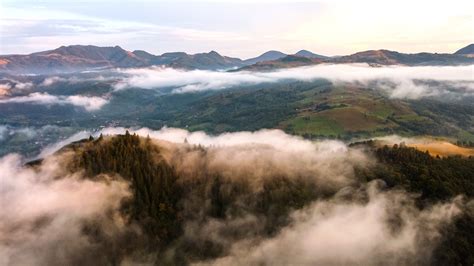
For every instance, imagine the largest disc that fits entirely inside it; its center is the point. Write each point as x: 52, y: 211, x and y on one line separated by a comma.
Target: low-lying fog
x: 43, y: 210
x: 397, y: 81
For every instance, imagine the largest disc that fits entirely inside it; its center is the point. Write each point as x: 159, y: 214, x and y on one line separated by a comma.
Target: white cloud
x: 45, y: 208
x: 400, y: 79
x: 92, y: 103
x: 51, y: 80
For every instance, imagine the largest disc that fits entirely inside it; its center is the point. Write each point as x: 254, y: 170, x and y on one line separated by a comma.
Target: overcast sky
x: 241, y: 28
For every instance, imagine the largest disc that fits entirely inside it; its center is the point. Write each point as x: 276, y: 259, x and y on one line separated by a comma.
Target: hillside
x: 267, y: 56
x: 386, y: 57
x: 79, y: 57
x: 468, y: 50
x: 308, y: 54
x: 288, y: 61
x: 167, y: 200
x: 70, y: 59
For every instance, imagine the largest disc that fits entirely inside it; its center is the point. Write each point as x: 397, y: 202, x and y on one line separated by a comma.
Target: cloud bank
x: 344, y: 221
x: 400, y: 81
x: 90, y: 103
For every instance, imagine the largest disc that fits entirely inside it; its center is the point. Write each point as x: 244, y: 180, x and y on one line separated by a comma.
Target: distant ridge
x: 308, y: 54
x: 86, y: 57
x: 468, y: 50
x: 267, y: 56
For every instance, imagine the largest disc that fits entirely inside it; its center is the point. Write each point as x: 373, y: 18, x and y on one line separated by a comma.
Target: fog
x: 349, y: 232
x: 398, y: 81
x: 45, y: 208
x: 89, y: 103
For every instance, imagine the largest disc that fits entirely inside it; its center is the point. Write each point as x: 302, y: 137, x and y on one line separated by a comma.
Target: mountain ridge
x: 75, y: 58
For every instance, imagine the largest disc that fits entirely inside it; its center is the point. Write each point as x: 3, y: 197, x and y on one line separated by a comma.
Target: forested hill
x: 165, y: 202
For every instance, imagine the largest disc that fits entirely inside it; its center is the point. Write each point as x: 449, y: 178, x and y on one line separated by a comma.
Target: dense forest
x: 165, y: 204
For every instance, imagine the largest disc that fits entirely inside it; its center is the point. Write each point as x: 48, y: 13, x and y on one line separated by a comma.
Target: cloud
x: 51, y: 80
x: 44, y: 212
x: 25, y: 133
x: 13, y: 86
x: 52, y: 148
x: 5, y: 89
x: 398, y: 81
x: 84, y: 76
x: 386, y: 229
x: 344, y: 221
x: 92, y: 103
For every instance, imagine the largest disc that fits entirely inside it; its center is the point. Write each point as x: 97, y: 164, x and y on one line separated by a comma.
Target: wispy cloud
x: 89, y: 103
x: 46, y: 208
x: 400, y: 81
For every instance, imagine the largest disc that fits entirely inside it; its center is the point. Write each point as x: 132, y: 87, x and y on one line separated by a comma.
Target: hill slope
x: 468, y: 50
x: 176, y: 205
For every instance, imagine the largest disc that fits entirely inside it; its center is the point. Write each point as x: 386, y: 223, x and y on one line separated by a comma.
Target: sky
x: 241, y: 28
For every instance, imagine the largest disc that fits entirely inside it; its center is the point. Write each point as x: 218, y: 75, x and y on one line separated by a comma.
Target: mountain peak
x: 308, y: 54
x: 267, y: 56
x: 468, y: 50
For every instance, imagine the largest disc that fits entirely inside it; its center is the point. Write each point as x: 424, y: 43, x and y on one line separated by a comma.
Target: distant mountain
x: 468, y: 50
x: 386, y: 57
x: 373, y: 57
x: 70, y: 58
x: 308, y: 54
x: 267, y: 56
x: 209, y: 61
x: 284, y: 62
x: 86, y: 57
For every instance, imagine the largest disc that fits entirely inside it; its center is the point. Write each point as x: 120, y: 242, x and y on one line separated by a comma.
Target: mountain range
x: 87, y: 57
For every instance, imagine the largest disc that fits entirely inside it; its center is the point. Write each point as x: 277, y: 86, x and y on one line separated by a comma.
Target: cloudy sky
x: 241, y: 28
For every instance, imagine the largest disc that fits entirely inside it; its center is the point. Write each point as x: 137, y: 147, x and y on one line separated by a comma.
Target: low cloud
x: 342, y: 221
x: 51, y: 80
x: 386, y: 229
x: 5, y: 90
x: 15, y: 85
x: 77, y: 78
x: 44, y: 212
x: 399, y: 81
x: 92, y: 103
x: 52, y: 148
